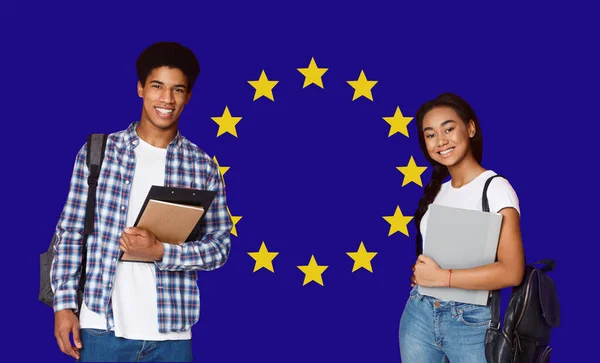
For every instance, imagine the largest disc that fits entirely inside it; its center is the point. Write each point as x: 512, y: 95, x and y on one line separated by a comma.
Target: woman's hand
x: 426, y: 272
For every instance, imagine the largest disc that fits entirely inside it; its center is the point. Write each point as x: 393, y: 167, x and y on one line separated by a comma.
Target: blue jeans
x: 103, y: 346
x: 433, y: 330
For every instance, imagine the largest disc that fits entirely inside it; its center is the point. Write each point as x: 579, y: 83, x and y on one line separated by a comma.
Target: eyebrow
x: 162, y: 84
x: 443, y: 124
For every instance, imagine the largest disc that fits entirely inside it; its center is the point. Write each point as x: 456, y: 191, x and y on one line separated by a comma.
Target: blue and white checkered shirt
x: 176, y: 274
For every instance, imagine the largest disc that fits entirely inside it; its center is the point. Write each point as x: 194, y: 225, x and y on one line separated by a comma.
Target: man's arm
x: 69, y: 238
x: 212, y: 250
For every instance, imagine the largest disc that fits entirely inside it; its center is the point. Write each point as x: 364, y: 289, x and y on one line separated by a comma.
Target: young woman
x: 433, y: 330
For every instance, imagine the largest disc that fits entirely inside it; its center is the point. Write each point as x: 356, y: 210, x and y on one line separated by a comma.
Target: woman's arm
x: 507, y: 271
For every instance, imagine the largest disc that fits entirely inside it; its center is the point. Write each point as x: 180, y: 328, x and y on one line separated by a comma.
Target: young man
x: 136, y: 311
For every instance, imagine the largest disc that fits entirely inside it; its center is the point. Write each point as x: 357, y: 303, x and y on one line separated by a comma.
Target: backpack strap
x: 495, y: 303
x: 485, y: 205
x: 95, y: 155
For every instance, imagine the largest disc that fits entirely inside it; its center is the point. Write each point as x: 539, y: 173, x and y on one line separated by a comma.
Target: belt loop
x: 418, y: 295
x: 453, y: 310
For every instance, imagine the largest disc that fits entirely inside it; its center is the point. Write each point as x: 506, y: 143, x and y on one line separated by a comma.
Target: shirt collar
x: 132, y: 139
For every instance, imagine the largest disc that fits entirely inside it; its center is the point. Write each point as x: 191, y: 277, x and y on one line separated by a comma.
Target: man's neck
x: 155, y: 136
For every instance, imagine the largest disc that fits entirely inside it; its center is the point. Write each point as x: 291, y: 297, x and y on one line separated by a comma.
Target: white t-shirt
x: 500, y: 195
x: 134, y: 297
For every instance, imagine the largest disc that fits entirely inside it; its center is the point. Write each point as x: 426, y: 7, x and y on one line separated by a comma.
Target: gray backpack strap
x: 95, y: 155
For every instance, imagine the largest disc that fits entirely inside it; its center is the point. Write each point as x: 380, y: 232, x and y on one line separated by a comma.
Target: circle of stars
x: 398, y: 124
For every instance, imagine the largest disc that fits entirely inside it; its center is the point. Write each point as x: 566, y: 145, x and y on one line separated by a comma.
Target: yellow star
x: 263, y: 258
x: 313, y: 74
x: 362, y: 258
x: 398, y: 222
x: 263, y: 87
x: 398, y: 123
x: 234, y: 221
x: 222, y: 169
x: 226, y: 123
x: 313, y: 272
x: 412, y: 172
x: 362, y: 86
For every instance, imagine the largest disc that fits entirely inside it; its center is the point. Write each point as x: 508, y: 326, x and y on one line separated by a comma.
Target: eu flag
x: 308, y: 108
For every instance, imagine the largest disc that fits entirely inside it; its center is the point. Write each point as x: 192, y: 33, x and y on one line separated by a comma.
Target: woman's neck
x: 465, y: 171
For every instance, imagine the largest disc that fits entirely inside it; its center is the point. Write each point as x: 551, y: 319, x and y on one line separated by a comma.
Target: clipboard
x: 189, y: 196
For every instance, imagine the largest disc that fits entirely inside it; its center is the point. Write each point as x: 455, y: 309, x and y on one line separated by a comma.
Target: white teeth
x: 446, y: 151
x: 164, y: 111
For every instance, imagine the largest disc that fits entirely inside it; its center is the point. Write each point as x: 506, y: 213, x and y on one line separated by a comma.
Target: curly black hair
x: 169, y: 54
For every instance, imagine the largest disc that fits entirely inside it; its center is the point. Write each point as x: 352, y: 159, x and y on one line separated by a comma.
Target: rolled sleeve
x: 212, y: 248
x: 69, y: 238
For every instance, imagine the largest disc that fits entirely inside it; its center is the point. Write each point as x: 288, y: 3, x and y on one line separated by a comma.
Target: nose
x: 166, y: 96
x: 442, y: 140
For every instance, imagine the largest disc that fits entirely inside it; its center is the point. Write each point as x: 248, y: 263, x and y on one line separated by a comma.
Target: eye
x: 429, y: 136
x: 155, y: 86
x: 178, y: 90
x: 449, y: 129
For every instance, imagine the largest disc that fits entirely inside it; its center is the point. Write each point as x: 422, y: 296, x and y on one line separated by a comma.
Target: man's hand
x: 65, y: 323
x: 140, y: 243
x: 428, y: 273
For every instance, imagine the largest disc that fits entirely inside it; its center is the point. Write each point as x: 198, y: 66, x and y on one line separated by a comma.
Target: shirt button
x: 123, y: 207
x: 109, y: 285
x: 126, y: 181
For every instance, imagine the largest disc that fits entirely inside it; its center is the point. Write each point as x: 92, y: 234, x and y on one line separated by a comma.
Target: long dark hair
x: 440, y: 172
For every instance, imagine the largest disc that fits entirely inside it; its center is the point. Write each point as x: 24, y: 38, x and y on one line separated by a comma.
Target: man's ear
x: 140, y: 89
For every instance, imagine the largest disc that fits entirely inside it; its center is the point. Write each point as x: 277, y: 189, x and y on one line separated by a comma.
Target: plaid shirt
x: 177, y: 272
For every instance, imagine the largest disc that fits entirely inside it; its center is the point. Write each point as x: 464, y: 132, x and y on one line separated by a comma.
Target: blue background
x: 312, y: 172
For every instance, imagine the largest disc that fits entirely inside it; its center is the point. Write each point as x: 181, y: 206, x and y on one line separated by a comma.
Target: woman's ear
x: 472, y: 129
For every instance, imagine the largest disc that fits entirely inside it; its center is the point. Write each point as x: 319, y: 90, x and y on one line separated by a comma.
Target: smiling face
x: 446, y: 135
x: 165, y: 93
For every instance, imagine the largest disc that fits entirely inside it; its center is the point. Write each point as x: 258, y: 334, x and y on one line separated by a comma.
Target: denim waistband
x: 441, y: 305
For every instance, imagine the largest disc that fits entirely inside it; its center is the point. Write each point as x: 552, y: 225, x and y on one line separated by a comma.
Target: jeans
x: 104, y: 346
x: 433, y: 330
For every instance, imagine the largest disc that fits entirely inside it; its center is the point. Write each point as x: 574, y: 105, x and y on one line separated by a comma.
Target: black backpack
x: 532, y: 311
x: 95, y: 154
